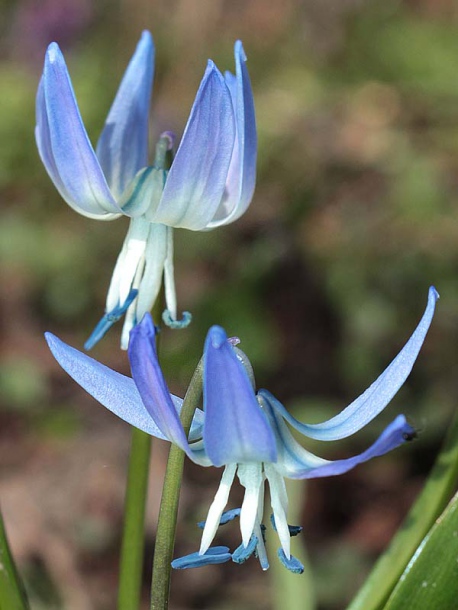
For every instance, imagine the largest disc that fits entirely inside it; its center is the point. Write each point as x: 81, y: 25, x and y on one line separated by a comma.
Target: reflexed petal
x: 241, y: 177
x: 151, y: 384
x: 376, y: 397
x: 397, y: 433
x: 235, y: 429
x: 64, y: 146
x: 214, y: 555
x: 123, y: 145
x: 196, y: 180
x: 295, y: 462
x: 114, y: 391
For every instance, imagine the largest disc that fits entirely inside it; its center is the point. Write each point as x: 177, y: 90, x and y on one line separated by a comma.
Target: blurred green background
x: 323, y: 279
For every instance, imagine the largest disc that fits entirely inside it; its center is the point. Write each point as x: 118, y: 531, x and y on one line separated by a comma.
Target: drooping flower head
x: 209, y: 183
x: 244, y: 431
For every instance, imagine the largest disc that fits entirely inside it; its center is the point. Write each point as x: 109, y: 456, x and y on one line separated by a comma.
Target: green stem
x: 12, y: 595
x: 165, y: 537
x: 132, y: 547
x: 131, y: 563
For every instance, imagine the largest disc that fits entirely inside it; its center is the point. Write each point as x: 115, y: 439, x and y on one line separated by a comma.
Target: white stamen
x: 151, y: 280
x: 252, y: 479
x: 128, y: 260
x: 217, y: 507
x: 169, y: 277
x: 279, y: 502
x: 261, y: 548
x: 130, y: 318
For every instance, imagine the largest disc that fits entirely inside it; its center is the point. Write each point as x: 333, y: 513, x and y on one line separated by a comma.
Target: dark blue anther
x: 109, y: 319
x: 292, y: 564
x: 227, y: 516
x: 242, y: 553
x: 294, y: 530
x: 214, y: 555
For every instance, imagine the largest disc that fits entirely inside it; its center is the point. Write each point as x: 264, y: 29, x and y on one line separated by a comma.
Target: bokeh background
x: 324, y: 278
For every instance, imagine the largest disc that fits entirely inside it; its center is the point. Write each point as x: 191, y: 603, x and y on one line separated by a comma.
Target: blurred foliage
x: 323, y: 279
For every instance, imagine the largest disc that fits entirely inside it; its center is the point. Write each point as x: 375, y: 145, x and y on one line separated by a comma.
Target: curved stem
x: 165, y: 537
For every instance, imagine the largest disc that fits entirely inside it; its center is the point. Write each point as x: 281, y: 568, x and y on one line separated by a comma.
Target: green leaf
x: 431, y: 578
x: 430, y: 503
x: 12, y: 596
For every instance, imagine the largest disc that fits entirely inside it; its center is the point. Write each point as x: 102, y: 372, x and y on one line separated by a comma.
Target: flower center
x: 252, y: 477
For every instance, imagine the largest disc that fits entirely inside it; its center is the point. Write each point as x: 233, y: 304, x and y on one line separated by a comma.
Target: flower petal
x: 235, y: 428
x: 151, y: 384
x: 295, y: 462
x: 241, y: 177
x: 64, y: 145
x: 377, y: 396
x: 123, y: 145
x: 196, y: 180
x: 114, y: 391
x: 397, y: 433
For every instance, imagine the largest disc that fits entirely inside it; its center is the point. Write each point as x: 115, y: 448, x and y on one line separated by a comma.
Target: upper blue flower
x: 239, y: 429
x: 210, y: 182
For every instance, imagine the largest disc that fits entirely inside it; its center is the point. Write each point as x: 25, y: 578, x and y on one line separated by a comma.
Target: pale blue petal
x: 235, y: 429
x: 295, y: 462
x: 196, y: 180
x: 64, y: 146
x: 397, y: 433
x: 114, y: 391
x: 241, y: 177
x: 377, y: 396
x: 123, y: 145
x: 151, y: 384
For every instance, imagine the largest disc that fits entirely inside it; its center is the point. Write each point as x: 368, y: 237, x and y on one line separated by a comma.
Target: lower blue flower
x: 244, y: 431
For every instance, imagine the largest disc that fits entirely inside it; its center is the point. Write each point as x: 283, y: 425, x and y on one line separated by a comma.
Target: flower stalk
x: 166, y: 528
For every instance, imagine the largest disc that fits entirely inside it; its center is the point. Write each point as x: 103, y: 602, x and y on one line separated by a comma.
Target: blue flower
x: 210, y: 182
x: 244, y: 431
